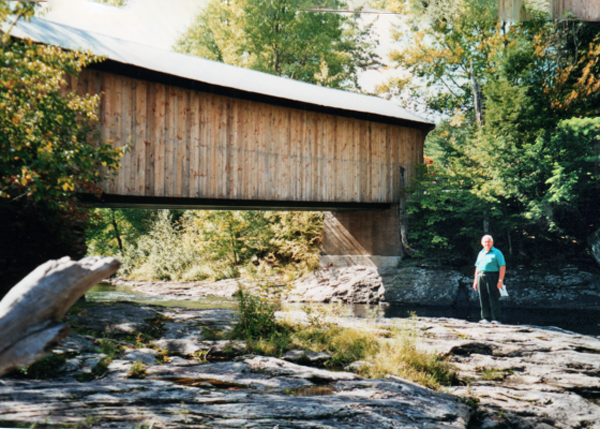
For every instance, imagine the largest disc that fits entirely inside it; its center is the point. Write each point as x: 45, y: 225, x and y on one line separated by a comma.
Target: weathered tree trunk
x: 405, y: 248
x: 31, y: 312
x: 477, y: 100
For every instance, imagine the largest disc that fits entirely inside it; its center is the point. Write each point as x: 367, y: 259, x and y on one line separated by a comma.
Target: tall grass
x: 392, y: 351
x: 401, y: 356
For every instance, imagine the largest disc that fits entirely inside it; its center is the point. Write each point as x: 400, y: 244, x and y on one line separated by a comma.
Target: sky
x: 152, y: 22
x: 160, y: 23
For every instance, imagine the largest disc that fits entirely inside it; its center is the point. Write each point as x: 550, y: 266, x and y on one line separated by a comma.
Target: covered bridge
x: 209, y: 135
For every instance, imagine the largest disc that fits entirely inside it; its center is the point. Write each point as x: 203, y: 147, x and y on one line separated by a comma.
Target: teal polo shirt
x: 490, y: 261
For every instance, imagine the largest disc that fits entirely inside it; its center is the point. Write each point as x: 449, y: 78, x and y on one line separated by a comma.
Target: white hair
x: 486, y: 236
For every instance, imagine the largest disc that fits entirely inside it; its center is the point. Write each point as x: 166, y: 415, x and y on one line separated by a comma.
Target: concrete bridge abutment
x: 362, y: 237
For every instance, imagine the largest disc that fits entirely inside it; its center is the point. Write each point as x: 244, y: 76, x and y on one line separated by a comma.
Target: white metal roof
x: 209, y: 72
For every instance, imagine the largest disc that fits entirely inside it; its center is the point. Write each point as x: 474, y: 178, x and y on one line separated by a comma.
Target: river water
x: 582, y: 321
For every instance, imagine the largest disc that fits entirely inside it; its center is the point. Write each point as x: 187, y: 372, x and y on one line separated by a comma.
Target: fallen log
x: 31, y: 312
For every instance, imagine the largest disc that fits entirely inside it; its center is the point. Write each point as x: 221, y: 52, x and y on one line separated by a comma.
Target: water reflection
x: 105, y: 292
x: 580, y: 320
x: 583, y: 321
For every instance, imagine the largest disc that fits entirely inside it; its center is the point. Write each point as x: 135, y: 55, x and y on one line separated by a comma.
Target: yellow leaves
x: 68, y: 185
x: 458, y: 119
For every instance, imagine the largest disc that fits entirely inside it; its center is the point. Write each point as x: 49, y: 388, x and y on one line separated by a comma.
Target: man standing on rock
x: 490, y: 268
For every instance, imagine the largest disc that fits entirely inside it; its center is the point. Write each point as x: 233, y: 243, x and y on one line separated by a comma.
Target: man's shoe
x: 495, y: 322
x: 484, y: 322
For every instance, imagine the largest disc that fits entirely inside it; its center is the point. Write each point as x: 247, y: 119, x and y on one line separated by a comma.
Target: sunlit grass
x: 385, y: 351
x: 401, y: 356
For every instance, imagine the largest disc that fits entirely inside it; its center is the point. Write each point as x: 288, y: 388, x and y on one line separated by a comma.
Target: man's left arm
x: 501, y: 276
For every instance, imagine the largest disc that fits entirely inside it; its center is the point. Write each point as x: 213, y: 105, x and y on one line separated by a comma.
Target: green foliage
x: 231, y: 237
x: 295, y: 241
x: 49, y: 149
x: 42, y: 369
x: 281, y: 37
x: 256, y: 318
x: 393, y: 352
x: 343, y: 344
x: 108, y: 348
x: 571, y: 174
x: 49, y: 146
x: 500, y: 163
x: 161, y: 253
x: 111, y: 231
x: 198, y: 245
x: 492, y: 374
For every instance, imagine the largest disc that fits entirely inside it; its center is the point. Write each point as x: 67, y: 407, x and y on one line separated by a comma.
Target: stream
x: 579, y: 320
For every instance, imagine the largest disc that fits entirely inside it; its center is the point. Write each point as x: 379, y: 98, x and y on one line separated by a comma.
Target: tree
x: 454, y: 52
x: 508, y: 92
x: 571, y: 174
x: 49, y: 149
x: 285, y: 38
x: 445, y: 50
x: 112, y: 231
x: 203, y: 244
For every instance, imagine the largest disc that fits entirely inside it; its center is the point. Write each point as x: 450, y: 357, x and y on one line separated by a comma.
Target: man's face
x: 487, y: 243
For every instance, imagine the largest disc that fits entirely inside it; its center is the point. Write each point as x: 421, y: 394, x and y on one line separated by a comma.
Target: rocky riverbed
x: 511, y: 377
x: 567, y: 288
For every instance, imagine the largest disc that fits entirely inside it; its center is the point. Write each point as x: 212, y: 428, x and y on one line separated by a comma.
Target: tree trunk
x: 477, y: 101
x: 31, y: 312
x: 117, y: 233
x: 404, y: 248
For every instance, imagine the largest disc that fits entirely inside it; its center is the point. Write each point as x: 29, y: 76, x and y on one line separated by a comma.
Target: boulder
x: 526, y: 375
x: 421, y: 286
x: 353, y: 285
x: 567, y: 287
x: 594, y: 245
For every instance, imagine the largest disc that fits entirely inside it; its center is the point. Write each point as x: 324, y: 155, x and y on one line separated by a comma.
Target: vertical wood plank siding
x: 588, y: 10
x: 185, y: 143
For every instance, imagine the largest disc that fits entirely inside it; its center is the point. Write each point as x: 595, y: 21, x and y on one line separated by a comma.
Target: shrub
x: 256, y: 318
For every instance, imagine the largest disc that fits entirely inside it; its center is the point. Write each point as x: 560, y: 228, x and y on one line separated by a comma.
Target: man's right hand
x: 475, y: 285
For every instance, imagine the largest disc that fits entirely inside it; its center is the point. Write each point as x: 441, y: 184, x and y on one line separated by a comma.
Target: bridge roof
x: 149, y: 63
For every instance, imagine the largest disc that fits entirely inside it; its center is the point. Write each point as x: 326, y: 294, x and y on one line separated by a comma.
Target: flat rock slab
x: 520, y: 377
x: 170, y: 403
x: 185, y: 391
x: 530, y: 376
x: 114, y: 319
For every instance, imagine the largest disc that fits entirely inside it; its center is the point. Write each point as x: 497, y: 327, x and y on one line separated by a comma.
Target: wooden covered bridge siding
x: 186, y: 143
x: 203, y: 147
